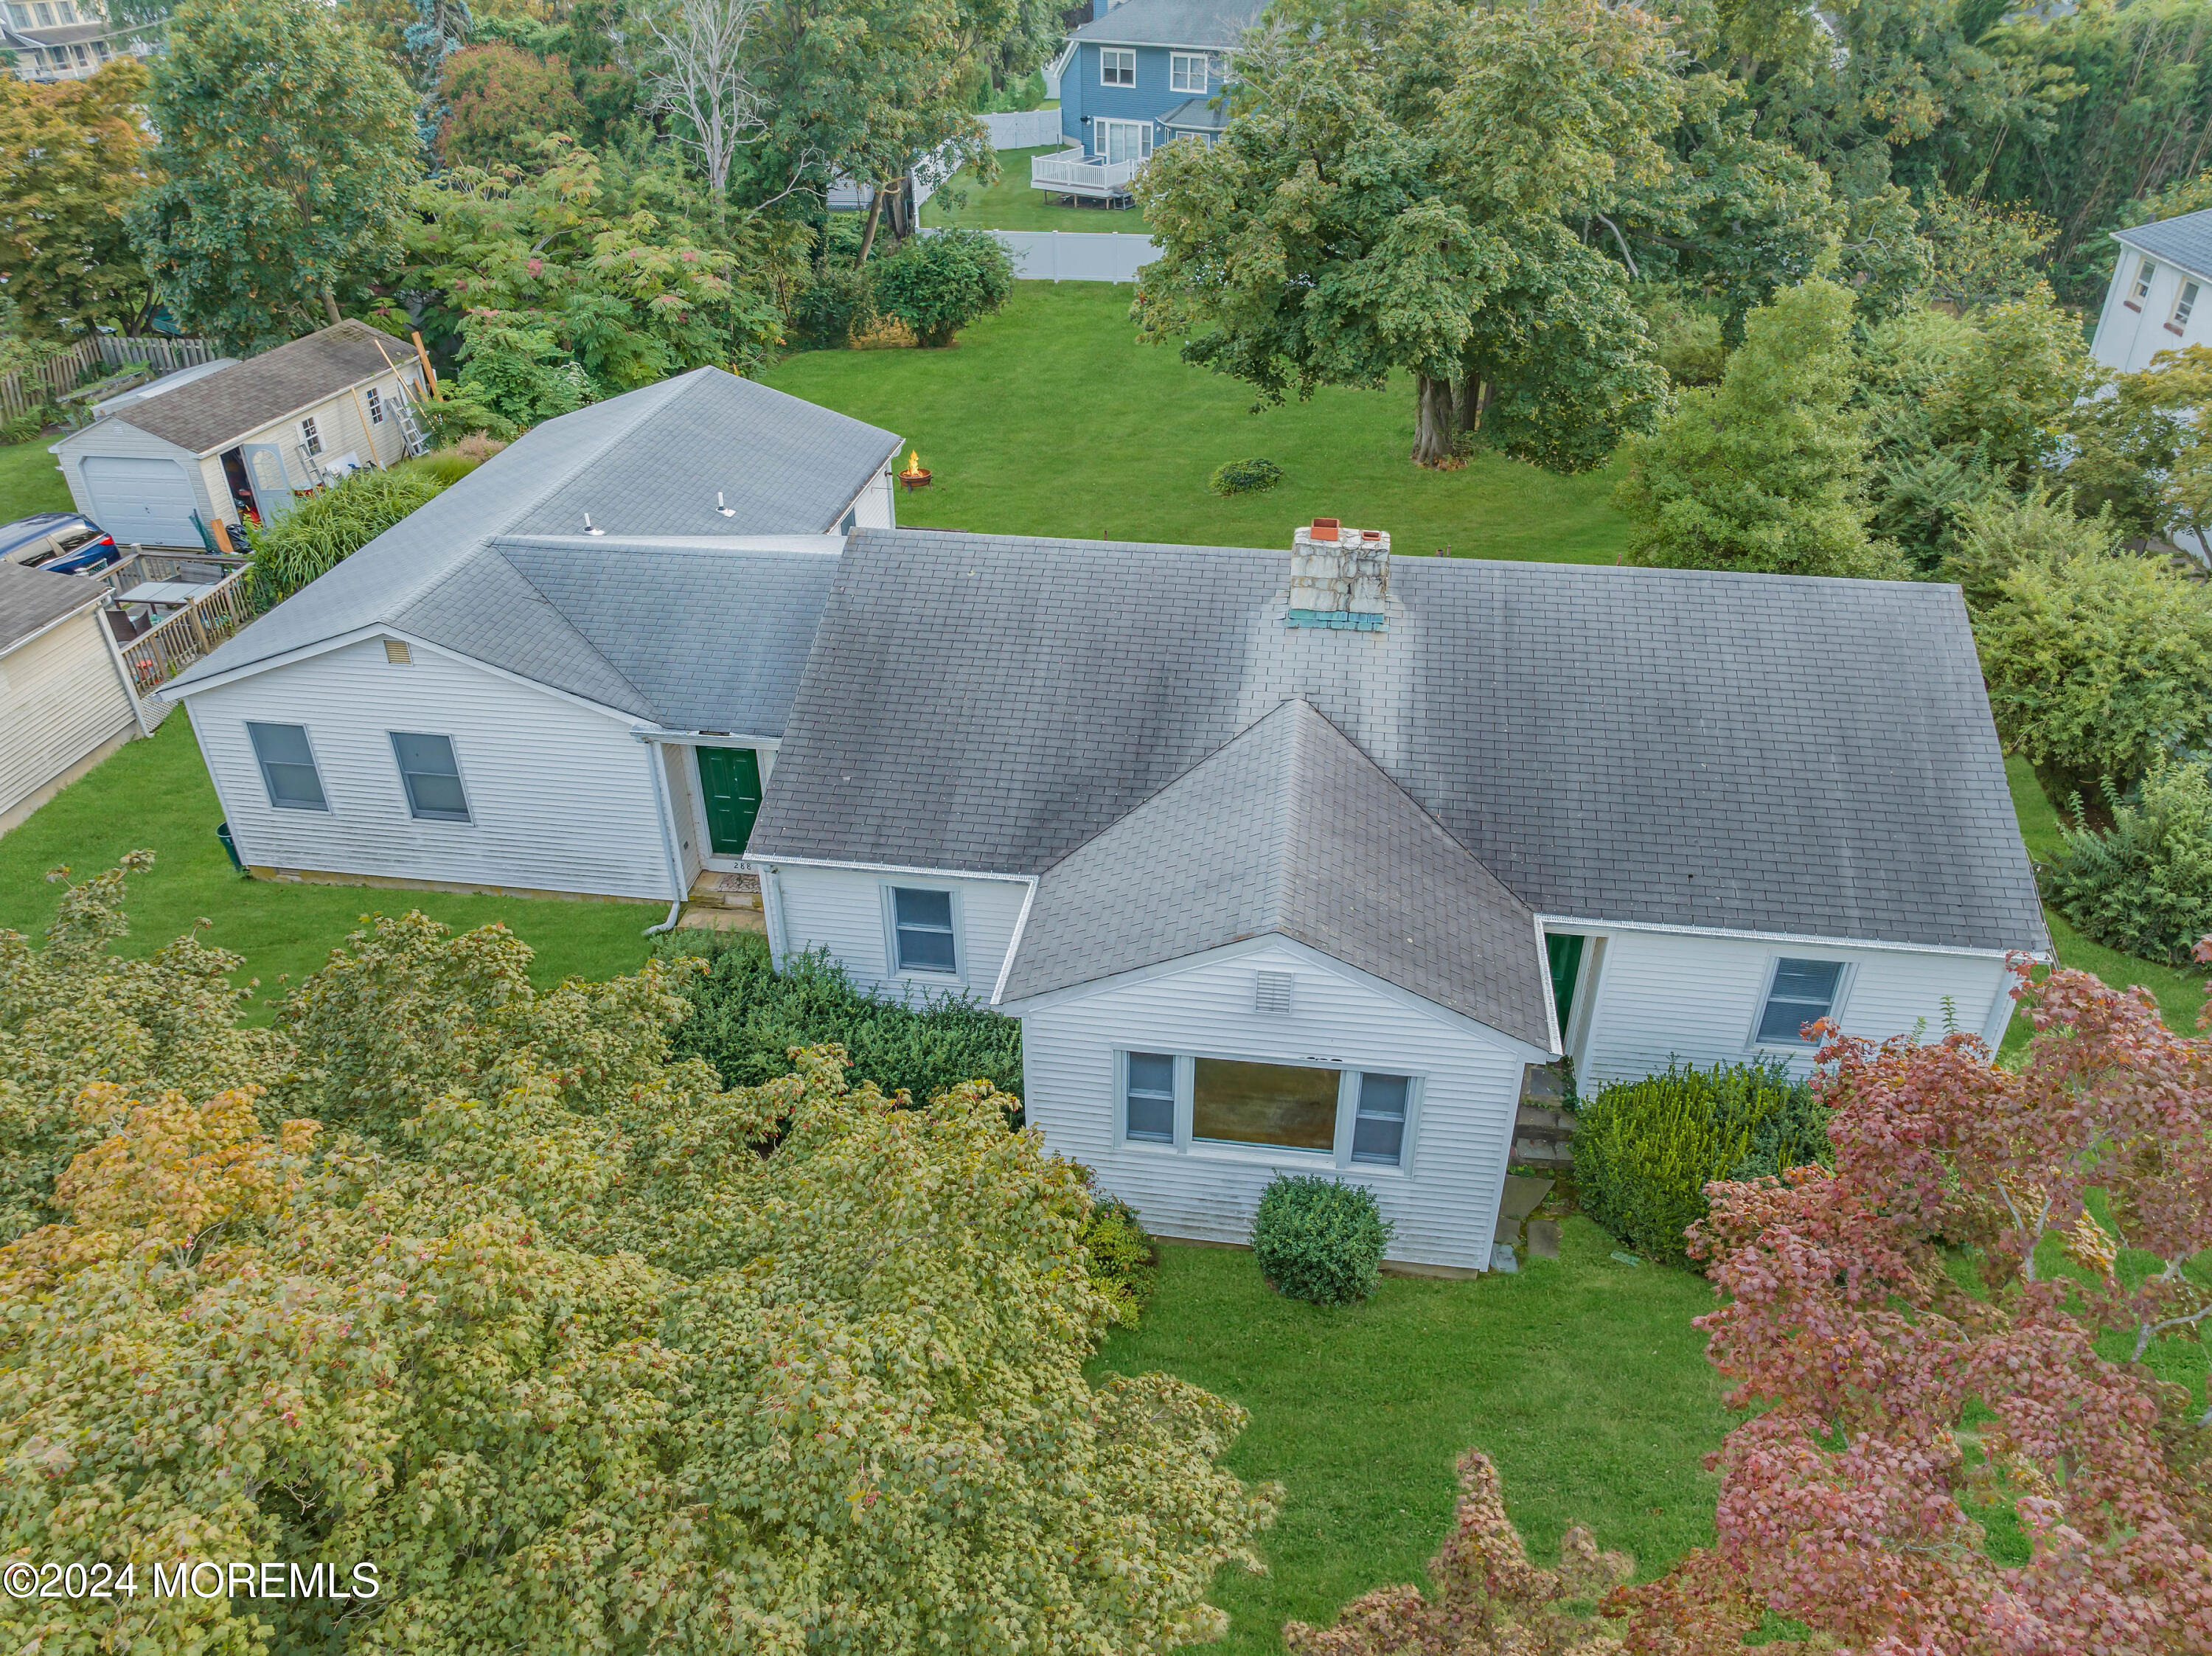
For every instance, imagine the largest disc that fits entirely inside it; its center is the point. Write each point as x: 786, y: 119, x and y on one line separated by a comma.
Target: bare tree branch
x: 698, y: 73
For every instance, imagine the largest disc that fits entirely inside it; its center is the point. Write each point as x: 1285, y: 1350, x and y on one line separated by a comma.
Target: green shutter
x: 730, y: 779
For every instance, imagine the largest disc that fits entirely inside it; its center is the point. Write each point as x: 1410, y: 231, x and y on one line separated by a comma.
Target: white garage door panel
x: 147, y: 501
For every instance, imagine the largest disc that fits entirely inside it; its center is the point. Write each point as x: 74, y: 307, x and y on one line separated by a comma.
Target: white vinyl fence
x: 1026, y: 129
x: 1076, y: 255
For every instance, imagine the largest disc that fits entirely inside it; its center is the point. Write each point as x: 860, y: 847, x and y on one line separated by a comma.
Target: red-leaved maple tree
x: 1956, y: 1320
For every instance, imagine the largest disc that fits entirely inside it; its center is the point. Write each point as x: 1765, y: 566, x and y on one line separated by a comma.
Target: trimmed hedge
x: 746, y: 1016
x: 1644, y: 1150
x: 1319, y: 1239
x: 1244, y: 477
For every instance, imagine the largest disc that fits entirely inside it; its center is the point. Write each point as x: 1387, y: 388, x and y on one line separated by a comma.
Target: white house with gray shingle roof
x: 1282, y: 877
x: 568, y: 673
x: 2160, y: 295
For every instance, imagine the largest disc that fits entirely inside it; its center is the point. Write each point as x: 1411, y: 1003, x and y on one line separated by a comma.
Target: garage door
x: 141, y: 500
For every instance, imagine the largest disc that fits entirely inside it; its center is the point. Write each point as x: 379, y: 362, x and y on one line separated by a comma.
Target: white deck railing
x: 1074, y: 175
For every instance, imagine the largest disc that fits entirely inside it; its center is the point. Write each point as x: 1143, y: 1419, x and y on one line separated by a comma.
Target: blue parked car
x: 66, y: 543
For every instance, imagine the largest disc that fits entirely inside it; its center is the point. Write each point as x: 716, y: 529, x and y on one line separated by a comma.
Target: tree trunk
x: 1433, y: 426
x: 868, y: 236
x: 330, y: 306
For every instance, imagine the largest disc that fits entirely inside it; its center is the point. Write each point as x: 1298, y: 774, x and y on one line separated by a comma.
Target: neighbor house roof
x: 2186, y: 241
x: 1759, y: 752
x: 32, y: 600
x: 216, y: 411
x: 1218, y: 24
x: 1290, y: 829
x: 645, y: 617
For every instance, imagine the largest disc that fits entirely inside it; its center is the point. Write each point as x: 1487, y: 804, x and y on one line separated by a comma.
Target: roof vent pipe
x: 588, y: 530
x: 727, y: 511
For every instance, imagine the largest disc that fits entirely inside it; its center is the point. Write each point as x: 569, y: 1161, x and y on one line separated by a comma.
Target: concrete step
x: 715, y: 890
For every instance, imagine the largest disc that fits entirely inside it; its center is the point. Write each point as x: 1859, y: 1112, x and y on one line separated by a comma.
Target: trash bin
x: 222, y: 833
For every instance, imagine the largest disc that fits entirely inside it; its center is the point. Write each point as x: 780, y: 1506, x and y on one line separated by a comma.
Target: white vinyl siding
x: 1661, y: 996
x: 846, y: 910
x: 562, y: 797
x: 60, y: 699
x: 1443, y: 1202
x: 2149, y: 308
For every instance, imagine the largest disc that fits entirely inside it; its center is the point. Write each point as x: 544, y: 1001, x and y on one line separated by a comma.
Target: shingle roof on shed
x: 1289, y: 829
x: 646, y: 617
x: 2186, y: 241
x: 32, y: 600
x: 1220, y: 24
x: 1758, y: 753
x: 215, y: 412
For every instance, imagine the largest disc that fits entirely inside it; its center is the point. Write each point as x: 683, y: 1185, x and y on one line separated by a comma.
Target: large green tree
x: 288, y: 143
x: 71, y: 160
x: 1765, y: 472
x: 1400, y: 198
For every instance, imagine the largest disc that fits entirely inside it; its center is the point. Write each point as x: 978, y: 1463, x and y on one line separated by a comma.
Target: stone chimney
x: 1340, y: 576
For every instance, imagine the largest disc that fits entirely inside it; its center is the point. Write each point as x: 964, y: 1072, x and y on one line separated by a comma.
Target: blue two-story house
x: 1149, y: 71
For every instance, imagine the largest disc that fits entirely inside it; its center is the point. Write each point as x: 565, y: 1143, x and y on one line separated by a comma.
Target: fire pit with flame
x: 916, y: 475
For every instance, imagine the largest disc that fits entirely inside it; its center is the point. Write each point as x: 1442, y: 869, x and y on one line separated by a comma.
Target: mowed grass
x: 1581, y: 1379
x: 30, y: 481
x: 155, y: 795
x: 1050, y: 418
x: 1011, y: 205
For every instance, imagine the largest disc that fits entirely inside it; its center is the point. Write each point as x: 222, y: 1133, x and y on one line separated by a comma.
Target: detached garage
x: 237, y: 445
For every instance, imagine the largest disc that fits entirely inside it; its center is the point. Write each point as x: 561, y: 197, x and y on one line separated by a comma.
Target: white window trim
x: 2139, y: 290
x: 1179, y: 66
x: 1836, y: 1008
x: 460, y: 773
x: 1116, y: 56
x: 261, y: 769
x: 1337, y: 1159
x: 958, y: 977
x: 2187, y: 295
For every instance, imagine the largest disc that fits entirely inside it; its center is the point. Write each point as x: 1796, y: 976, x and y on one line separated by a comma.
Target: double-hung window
x: 431, y: 775
x: 1186, y: 71
x: 2183, y: 303
x: 1311, y: 1114
x: 1150, y: 1099
x: 1800, y: 992
x: 923, y: 938
x: 287, y: 767
x: 1378, y: 1128
x: 1117, y: 68
x: 2141, y: 290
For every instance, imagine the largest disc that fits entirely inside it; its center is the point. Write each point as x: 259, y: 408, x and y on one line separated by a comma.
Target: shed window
x: 2144, y: 272
x: 375, y: 408
x: 1150, y: 1098
x: 1803, y: 991
x: 310, y: 439
x: 1117, y: 68
x: 922, y: 924
x: 431, y: 777
x: 1285, y: 1105
x: 287, y: 767
x: 1378, y: 1130
x: 1186, y: 72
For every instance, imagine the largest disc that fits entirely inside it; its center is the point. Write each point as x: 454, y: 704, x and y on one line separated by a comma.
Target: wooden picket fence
x: 42, y: 382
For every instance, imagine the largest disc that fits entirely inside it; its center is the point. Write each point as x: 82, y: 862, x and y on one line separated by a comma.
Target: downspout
x: 666, y: 812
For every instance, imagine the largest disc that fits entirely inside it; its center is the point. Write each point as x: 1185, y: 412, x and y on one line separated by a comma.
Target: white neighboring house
x: 1298, y: 862
x: 2161, y: 297
x: 242, y: 439
x: 61, y: 40
x: 64, y: 702
x: 567, y: 674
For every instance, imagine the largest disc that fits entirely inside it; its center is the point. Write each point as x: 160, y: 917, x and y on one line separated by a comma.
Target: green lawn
x: 1011, y: 205
x: 30, y: 481
x: 1049, y: 419
x: 1581, y: 1379
x: 155, y: 795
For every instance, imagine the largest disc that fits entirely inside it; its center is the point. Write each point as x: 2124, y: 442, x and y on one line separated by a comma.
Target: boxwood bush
x: 745, y: 1017
x: 1320, y: 1239
x: 1644, y: 1150
x: 1244, y: 477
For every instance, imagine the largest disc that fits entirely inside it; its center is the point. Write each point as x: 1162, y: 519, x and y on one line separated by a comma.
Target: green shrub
x: 746, y: 1016
x: 324, y: 529
x: 825, y: 312
x: 2145, y: 886
x: 938, y: 283
x: 1120, y: 1258
x: 1644, y: 1150
x: 1244, y: 477
x: 1319, y: 1239
x: 515, y: 369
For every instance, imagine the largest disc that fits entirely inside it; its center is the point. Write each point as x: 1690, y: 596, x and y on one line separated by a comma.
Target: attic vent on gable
x: 396, y: 651
x: 1271, y: 992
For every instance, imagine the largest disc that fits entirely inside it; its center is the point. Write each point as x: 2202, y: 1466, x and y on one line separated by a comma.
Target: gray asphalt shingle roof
x: 214, y: 412
x: 1290, y: 829
x: 640, y: 617
x: 1220, y: 24
x: 1692, y: 748
x: 2186, y: 241
x: 32, y: 600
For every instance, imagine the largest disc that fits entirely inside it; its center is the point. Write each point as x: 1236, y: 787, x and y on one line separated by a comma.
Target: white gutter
x: 666, y: 812
x: 1577, y: 923
x: 768, y: 860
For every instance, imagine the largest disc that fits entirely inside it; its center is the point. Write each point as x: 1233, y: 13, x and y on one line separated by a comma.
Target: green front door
x: 730, y: 778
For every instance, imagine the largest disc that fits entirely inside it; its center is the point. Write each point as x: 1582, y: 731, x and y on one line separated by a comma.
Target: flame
x: 913, y: 460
